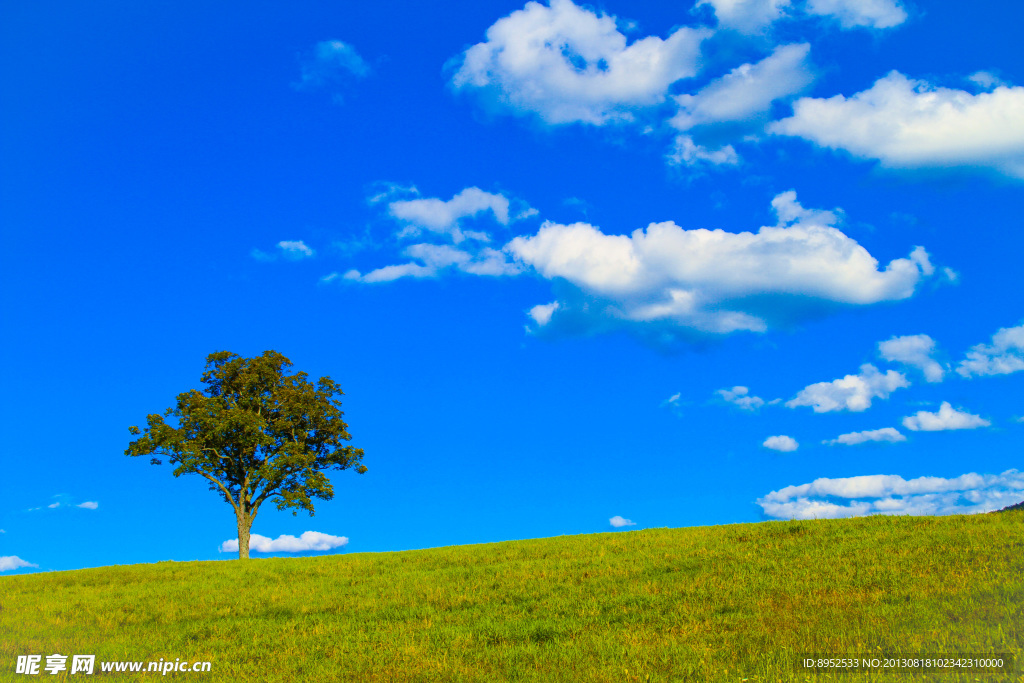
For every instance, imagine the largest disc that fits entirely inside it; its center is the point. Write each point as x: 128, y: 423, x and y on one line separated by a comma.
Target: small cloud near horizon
x: 9, y: 562
x: 285, y: 543
x: 618, y: 521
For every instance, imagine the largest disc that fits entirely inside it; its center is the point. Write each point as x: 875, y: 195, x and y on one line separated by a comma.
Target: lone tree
x: 256, y: 434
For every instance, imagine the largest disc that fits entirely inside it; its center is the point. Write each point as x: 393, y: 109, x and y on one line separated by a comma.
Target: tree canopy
x: 256, y: 434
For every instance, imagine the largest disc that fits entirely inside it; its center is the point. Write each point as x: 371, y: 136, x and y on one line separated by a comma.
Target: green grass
x: 726, y: 603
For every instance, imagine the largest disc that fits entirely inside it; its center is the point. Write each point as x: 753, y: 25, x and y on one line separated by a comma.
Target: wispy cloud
x: 64, y: 501
x: 292, y: 250
x: 432, y: 259
x: 747, y: 16
x: 887, y: 434
x: 742, y: 98
x: 309, y: 540
x: 443, y: 217
x: 741, y: 397
x: 875, y: 14
x: 328, y: 62
x: 756, y: 16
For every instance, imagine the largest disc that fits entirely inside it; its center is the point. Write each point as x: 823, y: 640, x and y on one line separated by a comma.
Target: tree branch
x: 222, y: 488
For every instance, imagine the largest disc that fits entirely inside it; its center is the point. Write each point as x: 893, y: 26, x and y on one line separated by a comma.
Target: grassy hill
x: 726, y: 603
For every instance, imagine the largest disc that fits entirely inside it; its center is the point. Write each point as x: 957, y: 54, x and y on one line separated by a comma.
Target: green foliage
x: 255, y: 433
x: 728, y: 603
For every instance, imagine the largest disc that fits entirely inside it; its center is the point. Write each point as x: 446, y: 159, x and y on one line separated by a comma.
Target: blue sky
x: 577, y: 267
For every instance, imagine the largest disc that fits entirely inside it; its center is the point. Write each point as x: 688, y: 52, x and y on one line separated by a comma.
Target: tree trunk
x: 244, y: 524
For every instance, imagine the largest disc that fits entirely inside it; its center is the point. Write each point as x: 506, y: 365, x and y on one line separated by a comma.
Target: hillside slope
x: 726, y: 603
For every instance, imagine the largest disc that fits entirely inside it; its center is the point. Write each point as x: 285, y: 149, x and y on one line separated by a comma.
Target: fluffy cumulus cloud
x: 747, y: 90
x: 908, y: 123
x: 1003, y: 356
x: 887, y: 434
x: 443, y: 217
x: 891, y: 494
x: 852, y: 392
x: 782, y: 443
x: 11, y: 562
x: 669, y: 281
x: 309, y: 540
x: 945, y: 419
x: 741, y: 397
x: 747, y: 16
x: 566, y: 64
x: 618, y: 522
x: 916, y: 351
x: 860, y: 13
x: 330, y: 60
x: 741, y: 99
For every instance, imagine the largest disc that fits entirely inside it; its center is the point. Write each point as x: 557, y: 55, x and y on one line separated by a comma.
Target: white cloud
x: 88, y: 505
x: 789, y: 210
x: 295, y: 249
x: 747, y: 16
x: 618, y: 521
x: 435, y: 258
x: 908, y: 123
x: 946, y: 418
x: 892, y: 495
x: 686, y: 152
x: 309, y: 540
x: 711, y: 281
x: 53, y: 505
x: 566, y: 64
x: 1003, y: 356
x: 860, y: 13
x: 747, y: 90
x: 985, y: 79
x: 383, y: 190
x: 9, y: 562
x: 853, y: 438
x: 916, y: 351
x: 328, y: 61
x: 783, y: 443
x: 541, y: 313
x: 443, y: 217
x: 740, y: 396
x: 852, y: 392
